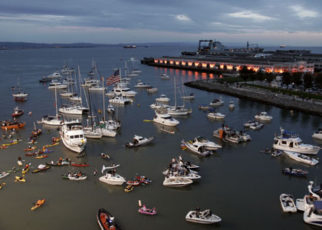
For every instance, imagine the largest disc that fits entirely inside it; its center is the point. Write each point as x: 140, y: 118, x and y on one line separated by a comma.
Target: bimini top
x: 318, y: 206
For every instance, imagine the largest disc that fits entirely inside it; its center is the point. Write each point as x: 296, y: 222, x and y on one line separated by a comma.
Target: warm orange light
x: 222, y: 66
x: 238, y: 67
x: 204, y: 65
x: 204, y: 76
x: 249, y: 67
x: 183, y: 63
x: 171, y: 62
x: 196, y: 64
x: 161, y: 61
x: 165, y: 61
x: 211, y: 75
x: 212, y: 66
x: 156, y: 60
x: 256, y: 69
x: 190, y: 63
x: 230, y: 67
x: 268, y: 70
x: 177, y: 63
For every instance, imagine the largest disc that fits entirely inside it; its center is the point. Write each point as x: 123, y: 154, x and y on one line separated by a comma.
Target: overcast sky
x: 269, y: 22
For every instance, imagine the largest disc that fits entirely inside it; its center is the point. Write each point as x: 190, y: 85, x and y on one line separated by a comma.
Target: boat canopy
x: 318, y: 206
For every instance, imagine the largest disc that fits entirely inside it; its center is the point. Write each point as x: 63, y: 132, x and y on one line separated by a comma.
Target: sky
x: 269, y: 22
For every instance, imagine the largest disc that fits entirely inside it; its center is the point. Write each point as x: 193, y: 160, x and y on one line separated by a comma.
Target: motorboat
x: 226, y: 134
x: 72, y: 135
x: 122, y: 90
x: 138, y: 141
x: 313, y: 214
x: 105, y: 220
x: 20, y: 96
x: 176, y: 182
x: 165, y: 119
x: 152, y: 90
x: 192, y: 176
x: 231, y: 105
x: 204, y: 107
x: 158, y: 105
x: 202, y: 217
x: 254, y: 125
x: 51, y: 120
x: 110, y: 124
x: 110, y: 108
x: 243, y: 136
x: 66, y: 94
x: 162, y: 99
x: 54, y: 84
x: 120, y: 100
x: 75, y: 98
x: 164, y: 76
x: 106, y: 131
x: 301, y: 158
x: 93, y: 132
x: 142, y: 85
x: 318, y: 134
x: 209, y: 145
x: 96, y: 88
x: 17, y: 112
x: 216, y: 115
x: 287, y: 203
x: 7, y: 125
x: 191, y: 96
x: 295, y: 172
x: 292, y: 142
x: 178, y: 111
x: 197, y: 148
x: 78, y: 176
x: 216, y: 102
x: 110, y: 94
x: 112, y: 178
x: 263, y: 116
x: 71, y: 110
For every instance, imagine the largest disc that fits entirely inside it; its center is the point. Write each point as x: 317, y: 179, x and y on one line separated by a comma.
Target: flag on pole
x: 114, y: 78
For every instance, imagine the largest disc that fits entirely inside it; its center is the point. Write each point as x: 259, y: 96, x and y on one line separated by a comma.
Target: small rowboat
x: 147, y: 211
x: 287, y: 203
x: 38, y: 204
x: 79, y: 165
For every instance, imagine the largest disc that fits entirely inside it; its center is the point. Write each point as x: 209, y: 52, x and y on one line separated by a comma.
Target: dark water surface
x: 239, y: 183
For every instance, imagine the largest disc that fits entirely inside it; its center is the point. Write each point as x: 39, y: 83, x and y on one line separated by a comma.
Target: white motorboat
x: 75, y: 98
x: 110, y: 94
x: 164, y: 76
x: 96, y: 88
x: 122, y: 90
x: 216, y: 115
x: 243, y: 136
x: 3, y: 174
x: 158, y: 106
x: 54, y: 75
x: 20, y: 96
x: 202, y: 217
x: 142, y: 85
x: 191, y: 175
x: 110, y: 108
x: 209, y: 145
x: 231, y: 105
x: 162, y: 99
x: 66, y: 94
x: 263, y: 116
x: 313, y: 214
x: 227, y: 134
x: 216, y: 102
x: 176, y: 182
x: 191, y: 96
x: 292, y: 142
x: 197, y: 148
x: 76, y: 176
x: 165, y: 119
x: 72, y: 110
x: 138, y: 141
x: 112, y: 179
x: 318, y: 134
x: 72, y: 135
x: 287, y: 203
x: 108, y: 128
x: 254, y: 125
x: 301, y: 158
x: 93, y: 132
x: 54, y: 84
x: 120, y: 100
x: 152, y: 90
x: 178, y: 111
x: 52, y: 120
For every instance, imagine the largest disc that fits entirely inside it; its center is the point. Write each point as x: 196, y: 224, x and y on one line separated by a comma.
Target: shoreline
x: 260, y: 95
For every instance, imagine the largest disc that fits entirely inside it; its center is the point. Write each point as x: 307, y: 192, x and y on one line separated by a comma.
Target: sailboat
x: 20, y: 95
x: 96, y: 87
x: 52, y: 120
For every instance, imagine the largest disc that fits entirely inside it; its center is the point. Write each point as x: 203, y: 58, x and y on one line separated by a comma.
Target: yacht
x: 163, y: 99
x: 54, y: 84
x: 71, y: 110
x: 142, y: 85
x: 209, y: 145
x: 318, y: 134
x: 112, y: 178
x: 254, y: 125
x: 197, y: 148
x: 178, y: 111
x: 108, y: 128
x: 216, y: 116
x: 165, y: 119
x: 72, y: 136
x: 292, y: 142
x: 202, y: 217
x: 138, y: 141
x: 93, y: 132
x: 122, y: 90
x: 120, y: 100
x: 176, y: 182
x: 263, y: 116
x: 51, y: 120
x: 301, y: 158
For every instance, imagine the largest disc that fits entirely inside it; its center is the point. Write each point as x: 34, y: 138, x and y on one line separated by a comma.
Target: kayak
x: 62, y: 163
x: 25, y: 169
x: 3, y: 174
x: 30, y: 149
x: 20, y: 179
x: 79, y: 165
x: 41, y: 156
x: 129, y: 188
x: 38, y: 204
x: 45, y: 168
x: 147, y: 211
x: 51, y: 145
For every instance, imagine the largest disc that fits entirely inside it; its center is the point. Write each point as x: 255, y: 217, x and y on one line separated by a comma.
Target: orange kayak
x: 38, y: 204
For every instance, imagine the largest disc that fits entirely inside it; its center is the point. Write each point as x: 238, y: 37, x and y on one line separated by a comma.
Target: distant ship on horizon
x: 129, y: 46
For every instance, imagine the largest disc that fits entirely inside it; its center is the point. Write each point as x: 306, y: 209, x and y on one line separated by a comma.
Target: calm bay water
x: 239, y: 183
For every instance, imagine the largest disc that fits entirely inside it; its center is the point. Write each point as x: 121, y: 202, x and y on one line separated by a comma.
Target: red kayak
x: 79, y: 165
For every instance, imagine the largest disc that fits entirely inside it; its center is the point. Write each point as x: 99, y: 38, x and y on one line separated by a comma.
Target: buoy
x: 140, y: 204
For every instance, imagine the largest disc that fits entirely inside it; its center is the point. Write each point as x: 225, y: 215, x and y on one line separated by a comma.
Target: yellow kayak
x: 25, y: 169
x: 54, y: 144
x: 20, y: 179
x: 2, y: 185
x: 38, y: 204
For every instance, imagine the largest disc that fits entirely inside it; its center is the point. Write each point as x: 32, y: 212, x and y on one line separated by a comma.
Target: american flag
x: 114, y: 78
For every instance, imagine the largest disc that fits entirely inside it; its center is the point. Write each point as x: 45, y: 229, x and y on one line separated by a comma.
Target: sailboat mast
x: 56, y: 102
x: 103, y: 100
x: 175, y: 93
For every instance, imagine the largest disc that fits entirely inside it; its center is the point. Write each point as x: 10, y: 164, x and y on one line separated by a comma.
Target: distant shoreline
x: 259, y: 95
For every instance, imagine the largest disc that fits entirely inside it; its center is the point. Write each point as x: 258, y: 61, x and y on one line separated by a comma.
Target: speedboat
x: 163, y: 99
x: 176, y: 182
x: 252, y: 124
x: 318, y: 134
x: 158, y: 105
x: 202, y: 217
x: 105, y: 220
x: 71, y: 110
x: 120, y: 100
x: 72, y: 135
x: 263, y: 116
x: 112, y: 179
x: 197, y: 148
x: 226, y: 134
x: 209, y: 145
x: 142, y: 85
x: 292, y: 142
x: 138, y: 141
x: 313, y: 214
x: 75, y: 176
x: 20, y: 96
x: 110, y: 108
x: 164, y: 76
x: 287, y: 203
x: 190, y: 175
x: 122, y: 90
x: 165, y: 119
x: 301, y: 158
x: 243, y: 136
x: 216, y: 115
x: 216, y: 102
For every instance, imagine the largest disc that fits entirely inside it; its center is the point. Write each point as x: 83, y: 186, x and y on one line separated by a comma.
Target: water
x: 239, y: 183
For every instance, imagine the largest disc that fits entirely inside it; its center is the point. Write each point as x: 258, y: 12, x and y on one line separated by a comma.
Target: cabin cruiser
x: 163, y: 99
x: 72, y: 110
x: 93, y: 132
x: 292, y: 142
x: 122, y: 90
x: 190, y: 175
x: 72, y: 136
x: 216, y: 102
x: 165, y: 119
x: 138, y: 141
x: 54, y: 84
x: 301, y: 158
x: 191, y: 96
x: 263, y: 116
x: 209, y: 145
x: 66, y: 94
x: 254, y: 125
x: 51, y: 120
x: 112, y: 178
x: 142, y: 85
x: 202, y: 217
x: 120, y: 100
x: 176, y: 182
x: 226, y: 134
x: 20, y: 96
x: 158, y: 105
x: 197, y: 148
x: 178, y: 111
x: 287, y: 203
x: 216, y: 115
x: 318, y: 134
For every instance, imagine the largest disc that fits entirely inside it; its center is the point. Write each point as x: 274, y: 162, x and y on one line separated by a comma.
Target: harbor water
x: 239, y: 183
